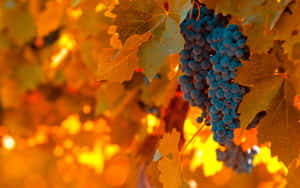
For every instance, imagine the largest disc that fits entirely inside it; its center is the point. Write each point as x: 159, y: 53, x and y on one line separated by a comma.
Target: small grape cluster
x: 209, y: 60
x: 155, y: 110
x: 236, y: 158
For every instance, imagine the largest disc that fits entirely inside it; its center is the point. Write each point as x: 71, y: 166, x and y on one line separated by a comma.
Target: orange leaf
x: 54, y: 10
x: 169, y: 165
x: 121, y: 67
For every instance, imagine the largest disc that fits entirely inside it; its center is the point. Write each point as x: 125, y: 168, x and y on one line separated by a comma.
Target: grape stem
x: 193, y: 137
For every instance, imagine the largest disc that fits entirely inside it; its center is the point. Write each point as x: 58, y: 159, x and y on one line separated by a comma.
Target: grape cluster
x: 195, y: 57
x: 211, y: 55
x: 225, y: 95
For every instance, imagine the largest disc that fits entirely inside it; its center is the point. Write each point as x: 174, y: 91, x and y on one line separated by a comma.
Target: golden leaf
x: 120, y: 67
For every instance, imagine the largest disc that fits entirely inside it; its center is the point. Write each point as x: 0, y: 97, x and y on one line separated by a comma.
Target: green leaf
x: 154, y: 52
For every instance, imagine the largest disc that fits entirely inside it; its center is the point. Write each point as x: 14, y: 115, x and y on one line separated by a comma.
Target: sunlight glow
x: 100, y: 7
x: 272, y: 163
x: 75, y: 13
x: 66, y: 43
x: 192, y: 184
x: 152, y: 123
x: 93, y: 159
x: 72, y: 124
x: 176, y: 68
x: 203, y: 148
x: 8, y: 142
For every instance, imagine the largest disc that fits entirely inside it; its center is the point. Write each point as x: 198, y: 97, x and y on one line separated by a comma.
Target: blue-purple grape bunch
x: 195, y: 57
x: 210, y: 58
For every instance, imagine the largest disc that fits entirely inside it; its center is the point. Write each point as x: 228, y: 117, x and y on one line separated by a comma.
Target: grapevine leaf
x: 178, y: 9
x: 169, y: 165
x: 294, y: 173
x: 125, y: 125
x: 76, y: 74
x: 274, y: 82
x: 151, y: 15
x: 90, y: 4
x: 154, y: 52
x: 281, y: 124
x: 10, y: 96
x: 259, y: 67
x: 92, y: 23
x: 281, y: 127
x: 258, y: 99
x: 121, y: 67
x: 153, y: 174
x: 109, y: 96
x: 161, y: 90
x: 29, y: 76
x: 295, y: 78
x: 86, y: 48
x: 20, y: 25
x: 54, y: 10
x: 287, y: 29
x: 292, y: 47
x: 137, y: 16
x: 169, y: 144
x: 259, y: 19
x: 4, y: 42
x: 288, y: 22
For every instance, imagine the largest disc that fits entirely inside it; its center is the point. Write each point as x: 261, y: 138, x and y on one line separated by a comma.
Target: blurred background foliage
x: 89, y: 96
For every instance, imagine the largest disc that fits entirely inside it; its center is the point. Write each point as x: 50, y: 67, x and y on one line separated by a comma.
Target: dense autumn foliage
x: 89, y: 96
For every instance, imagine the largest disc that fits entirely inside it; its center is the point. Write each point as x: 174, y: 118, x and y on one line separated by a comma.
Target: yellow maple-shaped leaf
x: 169, y: 165
x: 120, y: 67
x: 50, y: 18
x: 169, y: 143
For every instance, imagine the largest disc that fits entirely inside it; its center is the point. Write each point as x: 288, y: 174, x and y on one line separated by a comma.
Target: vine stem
x: 193, y: 137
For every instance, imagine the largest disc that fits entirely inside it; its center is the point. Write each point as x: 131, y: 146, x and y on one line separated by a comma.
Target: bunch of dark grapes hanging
x: 211, y: 55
